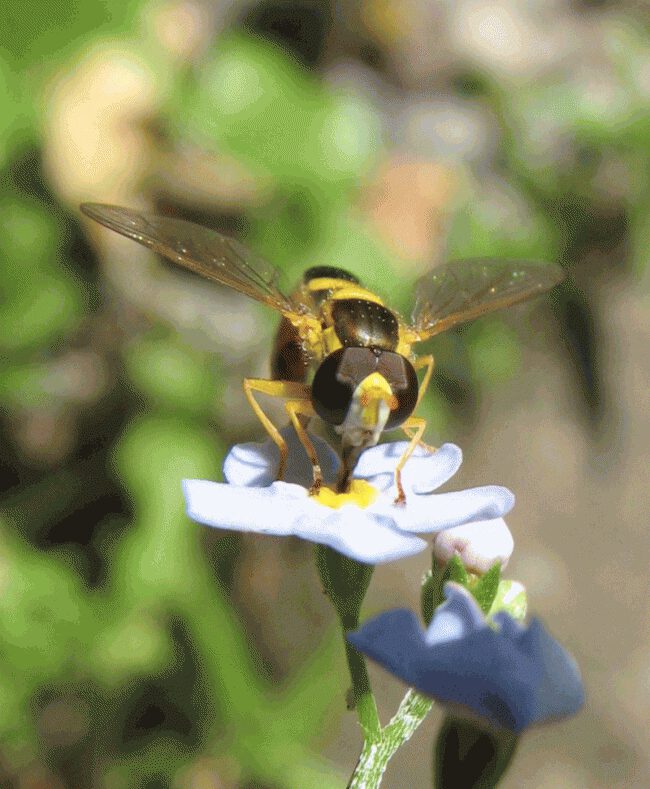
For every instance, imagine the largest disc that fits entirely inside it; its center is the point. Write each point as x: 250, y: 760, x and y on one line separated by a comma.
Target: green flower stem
x: 345, y: 582
x: 364, y: 701
x: 376, y: 754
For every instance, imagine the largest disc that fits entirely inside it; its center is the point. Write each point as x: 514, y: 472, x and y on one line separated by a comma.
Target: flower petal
x: 513, y: 677
x: 479, y: 544
x: 456, y: 618
x: 439, y: 511
x: 252, y: 501
x: 424, y: 471
x: 391, y: 639
x: 285, y: 509
x: 560, y: 691
x: 356, y: 533
x: 255, y: 465
x: 270, y: 510
x: 484, y: 673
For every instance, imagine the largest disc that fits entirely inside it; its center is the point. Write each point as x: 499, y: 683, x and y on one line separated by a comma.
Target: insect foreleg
x: 303, y: 408
x: 418, y: 363
x: 417, y: 425
x: 288, y: 389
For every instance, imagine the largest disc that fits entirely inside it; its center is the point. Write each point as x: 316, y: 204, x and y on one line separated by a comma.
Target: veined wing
x: 466, y: 289
x: 199, y: 249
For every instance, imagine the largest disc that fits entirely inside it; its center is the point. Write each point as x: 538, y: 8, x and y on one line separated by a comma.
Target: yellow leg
x: 417, y: 424
x: 289, y: 389
x: 428, y: 362
x: 427, y: 447
x: 296, y: 409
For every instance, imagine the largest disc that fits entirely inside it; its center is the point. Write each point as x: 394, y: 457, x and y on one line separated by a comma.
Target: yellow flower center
x: 360, y: 493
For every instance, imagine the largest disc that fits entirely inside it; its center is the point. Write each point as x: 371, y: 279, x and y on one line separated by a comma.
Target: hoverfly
x: 360, y: 351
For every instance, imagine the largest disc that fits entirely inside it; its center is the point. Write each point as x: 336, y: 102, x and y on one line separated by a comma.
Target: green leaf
x: 253, y: 100
x: 173, y: 375
x: 309, y: 699
x: 134, y: 643
x: 21, y: 385
x: 511, y: 598
x: 50, y: 307
x: 16, y: 112
x: 485, y: 587
x: 429, y: 593
x: 493, y: 351
x: 37, y: 34
x: 432, y: 594
x: 31, y: 236
x: 455, y: 571
x: 46, y: 623
x: 500, y: 222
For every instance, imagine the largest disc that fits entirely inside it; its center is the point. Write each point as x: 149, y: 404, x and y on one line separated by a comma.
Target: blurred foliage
x: 123, y: 661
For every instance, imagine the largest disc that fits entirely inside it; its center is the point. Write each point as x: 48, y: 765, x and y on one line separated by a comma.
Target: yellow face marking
x: 360, y: 493
x: 372, y: 391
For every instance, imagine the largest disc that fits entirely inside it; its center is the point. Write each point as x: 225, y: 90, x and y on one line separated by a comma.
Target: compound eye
x: 331, y: 397
x: 406, y: 396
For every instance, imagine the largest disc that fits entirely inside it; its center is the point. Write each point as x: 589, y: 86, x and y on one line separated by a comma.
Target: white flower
x: 378, y: 531
x: 478, y: 544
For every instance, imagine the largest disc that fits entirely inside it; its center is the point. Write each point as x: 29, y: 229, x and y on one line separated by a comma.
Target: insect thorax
x: 363, y: 323
x: 350, y: 316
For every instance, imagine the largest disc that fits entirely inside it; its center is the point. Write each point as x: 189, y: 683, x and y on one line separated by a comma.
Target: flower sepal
x: 345, y: 581
x: 511, y: 597
x: 484, y: 587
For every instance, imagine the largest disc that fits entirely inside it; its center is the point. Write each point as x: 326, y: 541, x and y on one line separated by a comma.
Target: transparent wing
x: 466, y: 289
x: 199, y: 249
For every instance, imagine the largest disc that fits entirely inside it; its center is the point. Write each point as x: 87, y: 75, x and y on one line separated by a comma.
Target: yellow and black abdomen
x: 289, y: 360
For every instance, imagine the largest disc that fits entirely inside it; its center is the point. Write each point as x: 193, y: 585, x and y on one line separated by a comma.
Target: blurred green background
x: 140, y: 650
